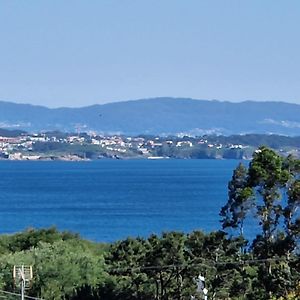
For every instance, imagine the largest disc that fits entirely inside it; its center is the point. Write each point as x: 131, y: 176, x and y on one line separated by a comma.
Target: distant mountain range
x: 162, y: 116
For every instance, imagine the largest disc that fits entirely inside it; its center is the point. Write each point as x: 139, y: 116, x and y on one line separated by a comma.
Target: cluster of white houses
x: 21, y: 147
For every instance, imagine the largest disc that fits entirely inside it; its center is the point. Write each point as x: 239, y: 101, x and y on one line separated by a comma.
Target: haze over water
x: 111, y: 199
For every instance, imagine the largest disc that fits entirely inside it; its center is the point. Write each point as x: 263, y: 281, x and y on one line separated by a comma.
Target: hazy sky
x: 76, y: 53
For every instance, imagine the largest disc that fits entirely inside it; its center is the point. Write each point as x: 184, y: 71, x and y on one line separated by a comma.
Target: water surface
x: 107, y: 200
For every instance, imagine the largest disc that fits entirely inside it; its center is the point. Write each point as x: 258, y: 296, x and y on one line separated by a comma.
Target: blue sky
x: 76, y: 53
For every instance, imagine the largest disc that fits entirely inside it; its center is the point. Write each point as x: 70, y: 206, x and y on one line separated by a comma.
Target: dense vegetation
x: 266, y: 194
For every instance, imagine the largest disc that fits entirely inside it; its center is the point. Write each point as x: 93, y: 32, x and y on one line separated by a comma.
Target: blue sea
x: 107, y: 200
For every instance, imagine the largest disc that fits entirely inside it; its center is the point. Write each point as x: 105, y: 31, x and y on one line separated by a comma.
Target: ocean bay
x: 107, y: 200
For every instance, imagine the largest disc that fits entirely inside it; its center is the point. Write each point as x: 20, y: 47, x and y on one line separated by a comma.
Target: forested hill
x: 159, y: 116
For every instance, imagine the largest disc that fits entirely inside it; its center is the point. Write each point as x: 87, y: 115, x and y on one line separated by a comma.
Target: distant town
x: 56, y: 145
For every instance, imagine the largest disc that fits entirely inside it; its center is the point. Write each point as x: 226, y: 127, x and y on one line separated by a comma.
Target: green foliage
x: 271, y: 184
x: 160, y: 267
x: 63, y: 265
x: 31, y: 237
x: 68, y: 267
x: 240, y: 200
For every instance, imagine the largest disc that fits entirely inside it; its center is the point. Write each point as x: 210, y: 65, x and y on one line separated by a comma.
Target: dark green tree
x: 240, y: 200
x: 269, y: 188
x: 125, y: 261
x: 164, y: 264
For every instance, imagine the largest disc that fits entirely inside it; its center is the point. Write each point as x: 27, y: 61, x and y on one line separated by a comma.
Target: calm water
x: 111, y: 199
